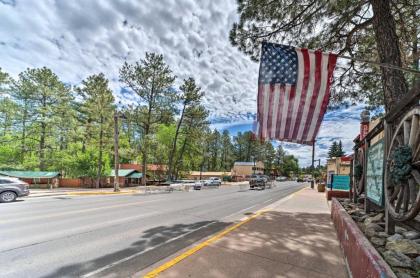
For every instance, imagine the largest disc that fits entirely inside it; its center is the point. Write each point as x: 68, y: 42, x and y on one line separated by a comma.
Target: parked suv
x: 213, y: 181
x: 11, y: 188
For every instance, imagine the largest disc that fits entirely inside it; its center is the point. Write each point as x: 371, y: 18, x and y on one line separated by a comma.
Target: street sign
x: 341, y: 182
x: 375, y: 173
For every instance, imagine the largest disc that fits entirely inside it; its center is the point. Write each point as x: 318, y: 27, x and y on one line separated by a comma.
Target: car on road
x: 213, y: 181
x: 281, y: 179
x: 258, y: 182
x: 198, y: 185
x: 11, y: 188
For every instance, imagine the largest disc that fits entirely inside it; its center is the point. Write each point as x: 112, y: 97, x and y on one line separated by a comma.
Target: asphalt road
x: 116, y: 236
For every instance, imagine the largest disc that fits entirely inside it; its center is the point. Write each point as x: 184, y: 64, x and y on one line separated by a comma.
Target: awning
x: 135, y: 176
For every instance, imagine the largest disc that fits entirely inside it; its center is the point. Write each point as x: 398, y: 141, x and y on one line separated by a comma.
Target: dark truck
x: 259, y: 182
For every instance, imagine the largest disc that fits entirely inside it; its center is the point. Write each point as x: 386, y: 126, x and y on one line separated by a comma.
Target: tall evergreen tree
x: 48, y: 97
x: 151, y: 79
x: 98, y: 108
x: 190, y: 96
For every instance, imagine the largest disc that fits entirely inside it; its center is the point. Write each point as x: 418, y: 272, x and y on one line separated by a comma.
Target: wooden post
x: 368, y: 207
x: 389, y: 222
x: 116, y: 158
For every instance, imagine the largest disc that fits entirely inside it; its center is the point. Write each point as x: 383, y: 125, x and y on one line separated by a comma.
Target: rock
x: 382, y: 235
x: 416, y: 263
x: 363, y: 217
x: 374, y: 219
x: 400, y: 230
x: 378, y: 241
x: 394, y: 258
x: 411, y: 235
x: 417, y: 241
x: 372, y: 229
x: 401, y: 274
x: 405, y: 246
x: 395, y: 237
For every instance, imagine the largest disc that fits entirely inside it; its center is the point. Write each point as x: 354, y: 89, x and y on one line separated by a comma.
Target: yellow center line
x: 198, y: 247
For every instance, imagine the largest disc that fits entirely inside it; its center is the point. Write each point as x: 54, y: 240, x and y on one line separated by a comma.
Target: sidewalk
x: 294, y: 238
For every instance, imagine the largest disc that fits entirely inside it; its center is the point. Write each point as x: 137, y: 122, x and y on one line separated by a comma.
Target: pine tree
x: 98, y: 108
x: 190, y: 97
x: 151, y: 79
x: 333, y: 150
x: 45, y: 96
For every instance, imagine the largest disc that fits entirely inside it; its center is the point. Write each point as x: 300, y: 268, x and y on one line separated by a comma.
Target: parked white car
x: 213, y: 181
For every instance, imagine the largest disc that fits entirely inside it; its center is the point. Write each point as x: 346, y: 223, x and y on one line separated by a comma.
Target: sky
x: 82, y: 37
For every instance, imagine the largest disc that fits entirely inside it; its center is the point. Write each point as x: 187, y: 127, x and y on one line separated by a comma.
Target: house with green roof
x: 35, y: 178
x: 126, y: 177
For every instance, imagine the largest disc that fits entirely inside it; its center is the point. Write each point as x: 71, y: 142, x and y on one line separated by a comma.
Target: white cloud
x: 78, y: 38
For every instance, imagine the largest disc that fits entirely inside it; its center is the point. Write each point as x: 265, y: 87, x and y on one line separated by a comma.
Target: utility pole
x: 116, y: 157
x: 312, y: 166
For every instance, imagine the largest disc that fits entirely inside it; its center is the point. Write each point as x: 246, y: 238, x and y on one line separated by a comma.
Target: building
x: 244, y: 169
x: 155, y: 172
x: 35, y: 178
x: 126, y: 177
x: 338, y: 166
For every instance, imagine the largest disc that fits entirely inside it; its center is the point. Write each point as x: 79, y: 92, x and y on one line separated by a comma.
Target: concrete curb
x: 361, y: 257
x: 102, y: 193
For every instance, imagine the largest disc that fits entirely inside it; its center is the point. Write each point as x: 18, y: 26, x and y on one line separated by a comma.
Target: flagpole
x: 312, y: 167
x: 379, y: 64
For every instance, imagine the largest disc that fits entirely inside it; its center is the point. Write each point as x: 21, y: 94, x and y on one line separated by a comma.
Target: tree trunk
x: 173, y: 150
x: 101, y: 135
x: 23, y: 137
x: 181, y: 154
x: 42, y: 147
x: 42, y: 136
x: 393, y: 81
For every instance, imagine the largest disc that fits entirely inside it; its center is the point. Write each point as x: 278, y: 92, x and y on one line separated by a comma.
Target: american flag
x: 293, y: 92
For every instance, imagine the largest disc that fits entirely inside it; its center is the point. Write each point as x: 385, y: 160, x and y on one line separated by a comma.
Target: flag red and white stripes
x: 293, y: 92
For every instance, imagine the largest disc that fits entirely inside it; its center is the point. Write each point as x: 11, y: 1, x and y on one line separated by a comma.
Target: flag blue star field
x: 293, y: 92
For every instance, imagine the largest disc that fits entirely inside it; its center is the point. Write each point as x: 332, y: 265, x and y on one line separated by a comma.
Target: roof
x: 30, y: 174
x: 346, y: 158
x: 244, y: 163
x: 157, y: 167
x: 136, y: 175
x: 123, y: 172
x: 197, y: 173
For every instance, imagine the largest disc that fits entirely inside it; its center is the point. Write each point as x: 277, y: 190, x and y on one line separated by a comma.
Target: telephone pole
x: 116, y: 155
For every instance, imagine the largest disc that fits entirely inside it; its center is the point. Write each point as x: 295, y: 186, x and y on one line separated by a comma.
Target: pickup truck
x: 259, y: 182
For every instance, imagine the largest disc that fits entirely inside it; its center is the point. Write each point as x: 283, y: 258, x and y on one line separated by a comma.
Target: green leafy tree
x: 49, y: 98
x: 98, y: 109
x: 191, y: 96
x: 152, y: 80
x: 226, y: 161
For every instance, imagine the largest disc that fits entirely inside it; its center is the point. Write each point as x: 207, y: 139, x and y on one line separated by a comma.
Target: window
x: 5, y: 181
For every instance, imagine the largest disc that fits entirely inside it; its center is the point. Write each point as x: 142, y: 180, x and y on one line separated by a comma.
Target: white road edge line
x: 239, y: 211
x: 99, y: 270
x: 267, y: 201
